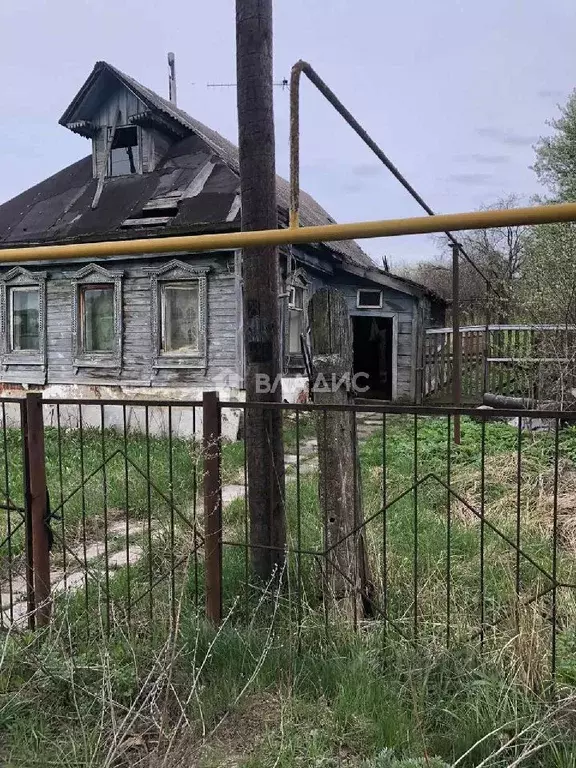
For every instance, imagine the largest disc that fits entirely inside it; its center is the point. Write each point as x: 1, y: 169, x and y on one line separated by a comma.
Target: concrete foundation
x: 185, y: 414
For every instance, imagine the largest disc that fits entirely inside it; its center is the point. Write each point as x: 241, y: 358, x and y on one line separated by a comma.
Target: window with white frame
x: 296, y: 321
x: 369, y: 299
x: 179, y: 324
x: 180, y: 312
x: 24, y: 318
x: 97, y: 317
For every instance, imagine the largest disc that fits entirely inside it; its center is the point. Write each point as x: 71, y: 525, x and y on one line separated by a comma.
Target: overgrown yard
x: 459, y: 675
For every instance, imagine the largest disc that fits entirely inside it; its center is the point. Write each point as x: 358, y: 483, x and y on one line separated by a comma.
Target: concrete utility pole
x: 263, y: 426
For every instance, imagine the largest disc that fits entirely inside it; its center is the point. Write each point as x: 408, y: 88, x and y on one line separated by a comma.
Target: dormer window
x: 125, y: 151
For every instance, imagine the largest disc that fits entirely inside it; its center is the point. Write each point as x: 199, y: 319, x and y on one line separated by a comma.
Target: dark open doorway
x: 372, y: 345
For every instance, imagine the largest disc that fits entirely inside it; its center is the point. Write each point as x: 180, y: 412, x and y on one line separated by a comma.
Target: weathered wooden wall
x: 129, y: 105
x: 137, y: 353
x: 153, y: 144
x: 224, y: 350
x: 401, y: 307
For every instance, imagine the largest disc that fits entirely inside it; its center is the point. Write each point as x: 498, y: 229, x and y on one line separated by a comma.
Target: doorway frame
x: 389, y: 316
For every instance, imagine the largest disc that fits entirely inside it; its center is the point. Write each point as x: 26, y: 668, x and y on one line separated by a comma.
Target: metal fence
x: 100, y: 516
x: 146, y: 520
x: 16, y: 591
x: 470, y: 543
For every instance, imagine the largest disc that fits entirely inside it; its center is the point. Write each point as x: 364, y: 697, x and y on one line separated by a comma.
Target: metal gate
x: 16, y: 578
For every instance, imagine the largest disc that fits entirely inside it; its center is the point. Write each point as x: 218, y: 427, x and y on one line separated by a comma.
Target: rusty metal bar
x: 456, y: 340
x: 419, y: 225
x: 212, y: 507
x: 303, y: 67
x: 38, y: 504
x: 297, y: 70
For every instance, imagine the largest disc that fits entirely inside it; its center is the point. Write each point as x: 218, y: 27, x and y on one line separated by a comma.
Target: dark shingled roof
x: 58, y: 209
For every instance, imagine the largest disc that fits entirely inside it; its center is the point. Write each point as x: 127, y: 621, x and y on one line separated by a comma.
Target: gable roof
x: 201, y: 164
x: 311, y: 213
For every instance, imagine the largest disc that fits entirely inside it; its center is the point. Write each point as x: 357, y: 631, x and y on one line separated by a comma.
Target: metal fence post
x: 28, y: 518
x: 36, y: 467
x: 456, y: 340
x: 212, y: 506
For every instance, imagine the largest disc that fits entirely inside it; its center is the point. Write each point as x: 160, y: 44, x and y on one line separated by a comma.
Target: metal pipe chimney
x: 172, y: 78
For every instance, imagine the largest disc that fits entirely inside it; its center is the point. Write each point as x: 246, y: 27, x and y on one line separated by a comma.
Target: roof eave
x: 68, y: 116
x: 394, y: 282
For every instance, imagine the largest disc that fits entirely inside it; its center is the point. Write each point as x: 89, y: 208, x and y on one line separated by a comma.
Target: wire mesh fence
x: 148, y: 522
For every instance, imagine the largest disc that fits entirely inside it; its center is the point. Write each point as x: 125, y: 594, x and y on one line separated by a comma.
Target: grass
x: 254, y: 698
x: 99, y: 471
x: 264, y: 690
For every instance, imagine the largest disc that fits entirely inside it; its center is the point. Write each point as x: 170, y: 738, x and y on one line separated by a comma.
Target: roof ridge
x: 311, y: 212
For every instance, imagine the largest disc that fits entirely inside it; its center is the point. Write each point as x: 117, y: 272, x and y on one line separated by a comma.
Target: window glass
x: 25, y: 306
x: 296, y: 329
x: 367, y: 298
x: 296, y: 297
x: 180, y: 324
x: 124, y: 153
x: 97, y: 318
x: 295, y: 319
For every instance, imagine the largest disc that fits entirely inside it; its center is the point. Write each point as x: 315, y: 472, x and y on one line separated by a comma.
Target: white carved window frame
x: 22, y: 278
x: 297, y: 279
x: 178, y: 272
x: 94, y: 274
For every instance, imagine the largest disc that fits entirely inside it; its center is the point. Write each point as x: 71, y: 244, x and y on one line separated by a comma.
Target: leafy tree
x: 548, y: 285
x: 498, y: 255
x: 555, y: 163
x: 547, y: 290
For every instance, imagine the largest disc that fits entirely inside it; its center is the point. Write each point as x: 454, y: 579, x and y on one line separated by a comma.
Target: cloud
x: 550, y: 93
x: 483, y: 159
x: 470, y: 179
x: 367, y: 170
x: 507, y: 137
x: 352, y: 187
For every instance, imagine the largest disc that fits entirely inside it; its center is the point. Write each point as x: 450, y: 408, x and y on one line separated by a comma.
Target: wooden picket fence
x: 517, y: 360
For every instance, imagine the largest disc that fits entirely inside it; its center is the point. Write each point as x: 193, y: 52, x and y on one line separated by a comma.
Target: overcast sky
x: 455, y: 91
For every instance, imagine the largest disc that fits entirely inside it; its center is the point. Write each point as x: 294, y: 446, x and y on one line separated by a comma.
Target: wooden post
x: 346, y: 581
x: 38, y: 506
x: 263, y: 427
x: 212, y: 506
x: 486, y: 371
x: 456, y: 341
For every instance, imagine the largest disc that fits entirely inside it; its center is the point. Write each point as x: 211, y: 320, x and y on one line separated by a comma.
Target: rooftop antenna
x: 172, y: 78
x: 282, y: 84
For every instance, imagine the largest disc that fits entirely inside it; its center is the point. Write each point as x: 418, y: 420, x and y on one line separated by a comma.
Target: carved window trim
x: 177, y: 271
x: 18, y: 277
x: 296, y: 279
x: 94, y: 274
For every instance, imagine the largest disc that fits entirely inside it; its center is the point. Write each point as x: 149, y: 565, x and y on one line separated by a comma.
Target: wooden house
x: 171, y: 325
